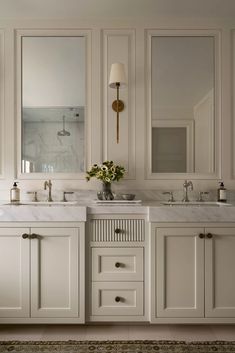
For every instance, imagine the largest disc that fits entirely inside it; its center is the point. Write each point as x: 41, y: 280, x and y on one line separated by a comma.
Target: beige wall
x: 131, y: 35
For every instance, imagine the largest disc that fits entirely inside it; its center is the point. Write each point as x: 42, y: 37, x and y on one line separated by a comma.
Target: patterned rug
x: 117, y: 347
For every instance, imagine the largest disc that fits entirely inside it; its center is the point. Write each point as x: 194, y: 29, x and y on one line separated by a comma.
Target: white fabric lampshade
x: 117, y: 74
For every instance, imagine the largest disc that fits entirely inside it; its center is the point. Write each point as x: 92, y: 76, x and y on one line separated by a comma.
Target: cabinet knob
x: 117, y: 264
x: 209, y: 235
x: 201, y: 235
x: 33, y: 236
x: 25, y: 236
x: 117, y: 231
x: 117, y: 299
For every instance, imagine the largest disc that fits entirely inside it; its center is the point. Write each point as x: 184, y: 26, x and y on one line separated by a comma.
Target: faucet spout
x: 187, y: 185
x: 49, y: 185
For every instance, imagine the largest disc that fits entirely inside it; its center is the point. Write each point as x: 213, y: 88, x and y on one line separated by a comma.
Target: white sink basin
x: 197, y: 203
x: 44, y: 203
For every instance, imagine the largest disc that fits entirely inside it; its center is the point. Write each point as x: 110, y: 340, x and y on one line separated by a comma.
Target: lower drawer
x: 117, y: 298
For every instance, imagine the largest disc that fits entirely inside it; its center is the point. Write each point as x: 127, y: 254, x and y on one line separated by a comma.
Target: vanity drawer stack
x: 117, y: 269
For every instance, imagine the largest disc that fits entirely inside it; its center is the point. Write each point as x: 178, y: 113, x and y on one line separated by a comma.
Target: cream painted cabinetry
x: 192, y: 273
x: 42, y: 274
x: 117, y: 272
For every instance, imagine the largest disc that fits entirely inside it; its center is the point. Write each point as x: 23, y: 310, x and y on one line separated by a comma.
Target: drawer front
x: 115, y: 230
x: 117, y: 298
x: 117, y: 264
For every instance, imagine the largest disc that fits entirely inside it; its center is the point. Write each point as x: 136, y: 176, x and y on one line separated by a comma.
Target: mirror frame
x: 216, y: 34
x: 87, y: 147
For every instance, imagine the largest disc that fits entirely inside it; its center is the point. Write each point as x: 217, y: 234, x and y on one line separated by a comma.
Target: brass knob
x: 117, y: 230
x: 201, y: 235
x: 25, y: 236
x: 117, y: 299
x: 209, y: 235
x: 117, y: 264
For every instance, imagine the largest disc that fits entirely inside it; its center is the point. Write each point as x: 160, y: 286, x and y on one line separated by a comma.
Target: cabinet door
x: 14, y: 273
x: 57, y: 263
x: 220, y: 268
x: 179, y: 272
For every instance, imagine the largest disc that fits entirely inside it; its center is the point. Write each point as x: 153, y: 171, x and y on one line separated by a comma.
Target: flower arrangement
x: 106, y: 172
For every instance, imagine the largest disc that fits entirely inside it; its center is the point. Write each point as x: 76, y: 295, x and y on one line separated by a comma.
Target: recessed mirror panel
x: 182, y: 104
x: 53, y: 104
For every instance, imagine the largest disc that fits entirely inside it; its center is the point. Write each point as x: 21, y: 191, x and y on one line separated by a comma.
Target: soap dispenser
x: 221, y: 197
x: 15, y: 193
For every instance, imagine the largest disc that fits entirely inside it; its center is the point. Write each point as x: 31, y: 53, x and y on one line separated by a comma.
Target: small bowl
x: 128, y: 196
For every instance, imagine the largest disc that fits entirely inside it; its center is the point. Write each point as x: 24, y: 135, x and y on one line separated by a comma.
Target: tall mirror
x: 182, y: 104
x: 53, y: 114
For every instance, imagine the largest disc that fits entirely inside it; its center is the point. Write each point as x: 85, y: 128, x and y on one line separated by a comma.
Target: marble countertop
x: 153, y: 211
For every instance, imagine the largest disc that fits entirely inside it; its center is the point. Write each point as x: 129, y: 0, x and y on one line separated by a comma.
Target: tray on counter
x: 117, y: 202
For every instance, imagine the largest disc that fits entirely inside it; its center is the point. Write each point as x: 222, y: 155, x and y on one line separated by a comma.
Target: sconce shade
x: 117, y: 75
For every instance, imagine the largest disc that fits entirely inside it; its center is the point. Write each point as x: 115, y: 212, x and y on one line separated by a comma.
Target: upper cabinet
x: 183, y: 104
x: 53, y: 112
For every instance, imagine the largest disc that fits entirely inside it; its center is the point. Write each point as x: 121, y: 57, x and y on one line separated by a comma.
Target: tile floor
x: 112, y: 332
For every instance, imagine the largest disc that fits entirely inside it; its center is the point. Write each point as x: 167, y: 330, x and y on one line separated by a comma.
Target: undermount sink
x: 44, y: 203
x: 196, y: 203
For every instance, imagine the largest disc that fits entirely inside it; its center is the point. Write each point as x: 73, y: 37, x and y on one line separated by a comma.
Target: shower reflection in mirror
x: 53, y: 104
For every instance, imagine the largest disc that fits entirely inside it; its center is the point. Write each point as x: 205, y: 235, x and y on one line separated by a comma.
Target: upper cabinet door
x: 57, y: 273
x: 220, y: 266
x: 183, y: 104
x: 53, y: 72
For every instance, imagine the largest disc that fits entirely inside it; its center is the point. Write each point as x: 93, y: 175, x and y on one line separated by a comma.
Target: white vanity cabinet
x: 192, y: 273
x: 42, y: 273
x: 117, y: 278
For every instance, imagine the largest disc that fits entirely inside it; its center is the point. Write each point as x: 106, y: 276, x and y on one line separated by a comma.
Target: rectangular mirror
x: 182, y: 91
x: 53, y: 104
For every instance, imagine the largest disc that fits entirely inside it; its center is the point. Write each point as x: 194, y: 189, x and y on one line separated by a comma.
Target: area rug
x: 117, y: 346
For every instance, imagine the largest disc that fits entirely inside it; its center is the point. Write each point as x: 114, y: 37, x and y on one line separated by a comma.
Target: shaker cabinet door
x: 56, y: 273
x: 220, y: 269
x: 14, y: 272
x: 179, y: 272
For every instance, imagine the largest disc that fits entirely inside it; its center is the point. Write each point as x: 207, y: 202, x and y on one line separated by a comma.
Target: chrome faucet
x: 49, y: 184
x: 187, y: 185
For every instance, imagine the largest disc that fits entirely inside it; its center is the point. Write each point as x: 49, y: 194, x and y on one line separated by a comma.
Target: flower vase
x: 106, y: 193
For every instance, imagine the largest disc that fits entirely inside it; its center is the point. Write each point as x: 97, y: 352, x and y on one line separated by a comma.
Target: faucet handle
x: 171, y: 199
x: 200, y: 195
x: 66, y: 193
x: 35, y: 193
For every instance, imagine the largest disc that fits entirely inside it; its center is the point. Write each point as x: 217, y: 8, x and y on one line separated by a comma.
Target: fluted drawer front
x: 117, y: 298
x: 113, y: 230
x: 117, y: 264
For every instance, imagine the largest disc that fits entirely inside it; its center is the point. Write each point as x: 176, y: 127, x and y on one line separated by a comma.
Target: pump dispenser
x: 15, y: 193
x: 221, y: 197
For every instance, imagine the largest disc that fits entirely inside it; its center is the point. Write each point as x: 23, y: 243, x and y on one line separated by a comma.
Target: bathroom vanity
x: 152, y: 263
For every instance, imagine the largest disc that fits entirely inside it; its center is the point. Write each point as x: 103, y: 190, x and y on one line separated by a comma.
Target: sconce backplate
x: 118, y: 105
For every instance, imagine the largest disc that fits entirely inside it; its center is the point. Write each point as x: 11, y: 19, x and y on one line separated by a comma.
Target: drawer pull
x: 117, y: 231
x: 201, y: 235
x: 25, y: 236
x: 117, y: 299
x: 209, y: 235
x: 117, y: 264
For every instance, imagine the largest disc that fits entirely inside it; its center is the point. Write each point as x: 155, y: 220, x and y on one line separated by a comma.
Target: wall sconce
x: 117, y: 80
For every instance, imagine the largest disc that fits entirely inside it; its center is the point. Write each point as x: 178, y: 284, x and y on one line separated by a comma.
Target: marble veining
x: 152, y: 211
x: 26, y: 213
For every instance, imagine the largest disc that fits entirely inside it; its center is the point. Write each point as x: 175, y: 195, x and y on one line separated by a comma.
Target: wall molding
x: 2, y: 105
x: 119, y: 46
